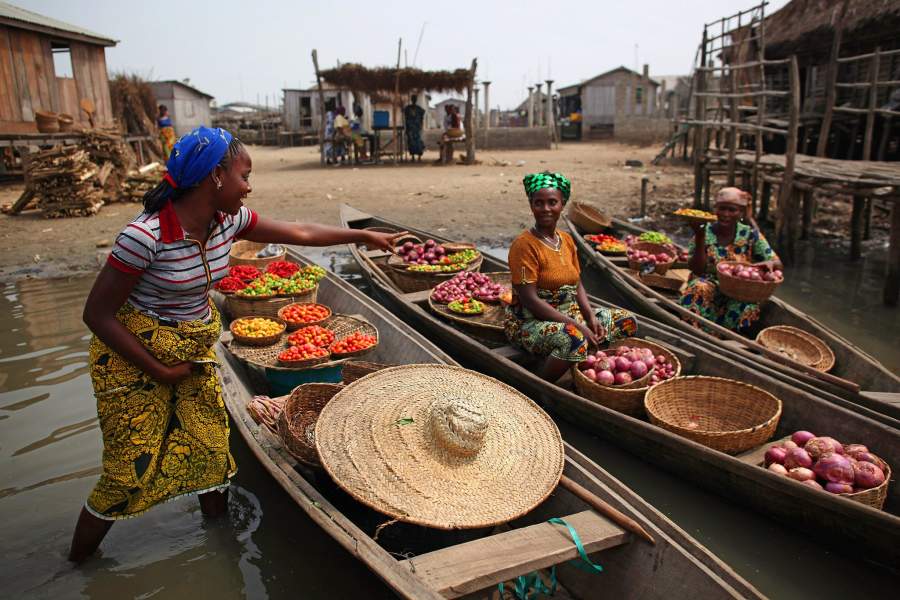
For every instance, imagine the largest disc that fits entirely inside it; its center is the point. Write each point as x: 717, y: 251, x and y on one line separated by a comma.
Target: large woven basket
x: 297, y: 421
x: 827, y: 358
x: 660, y: 268
x: 746, y: 290
x: 260, y: 341
x: 722, y: 414
x: 627, y: 400
x: 243, y: 252
x: 242, y: 307
x: 787, y: 342
x: 412, y: 281
x: 588, y: 218
x: 357, y: 369
x: 488, y: 327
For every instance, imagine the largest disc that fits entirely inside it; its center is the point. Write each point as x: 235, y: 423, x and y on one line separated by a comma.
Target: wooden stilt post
x: 707, y: 185
x: 885, y: 136
x: 867, y: 220
x: 892, y: 276
x: 786, y: 223
x: 830, y: 84
x: 470, y: 118
x: 397, y: 144
x: 315, y: 58
x: 766, y: 195
x: 700, y: 132
x: 873, y: 104
x: 856, y: 228
x: 807, y: 214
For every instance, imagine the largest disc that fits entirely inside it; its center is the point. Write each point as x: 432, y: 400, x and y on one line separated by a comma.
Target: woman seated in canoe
x: 726, y: 239
x: 152, y: 363
x: 550, y: 314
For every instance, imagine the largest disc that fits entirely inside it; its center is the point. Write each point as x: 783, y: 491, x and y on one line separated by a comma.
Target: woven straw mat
x: 440, y: 446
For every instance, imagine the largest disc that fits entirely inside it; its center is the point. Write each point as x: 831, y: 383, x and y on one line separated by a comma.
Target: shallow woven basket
x: 243, y: 252
x: 694, y: 219
x: 786, y: 341
x: 588, y: 218
x: 412, y: 281
x: 302, y: 296
x: 722, y: 414
x: 295, y: 326
x: 661, y: 268
x: 825, y: 363
x: 746, y: 290
x: 876, y: 496
x: 304, y: 364
x: 297, y: 422
x: 263, y: 341
x: 357, y: 369
x: 46, y: 121
x: 66, y: 122
x: 365, y: 328
x: 242, y: 307
x: 486, y: 327
x: 627, y: 400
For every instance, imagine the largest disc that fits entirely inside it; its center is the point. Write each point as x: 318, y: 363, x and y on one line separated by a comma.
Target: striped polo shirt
x: 176, y: 271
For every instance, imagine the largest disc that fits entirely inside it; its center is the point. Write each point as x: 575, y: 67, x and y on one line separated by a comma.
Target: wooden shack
x: 302, y: 112
x: 188, y: 106
x: 48, y: 65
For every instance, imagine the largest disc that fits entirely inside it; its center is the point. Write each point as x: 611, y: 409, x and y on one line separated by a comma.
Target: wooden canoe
x: 856, y: 376
x: 818, y: 514
x: 472, y: 563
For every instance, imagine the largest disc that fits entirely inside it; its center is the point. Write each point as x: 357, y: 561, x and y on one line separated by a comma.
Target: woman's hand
x: 767, y: 265
x: 173, y: 374
x: 598, y: 329
x: 588, y: 333
x: 382, y: 241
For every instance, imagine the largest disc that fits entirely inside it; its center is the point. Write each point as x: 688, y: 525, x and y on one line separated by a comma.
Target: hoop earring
x: 218, y: 183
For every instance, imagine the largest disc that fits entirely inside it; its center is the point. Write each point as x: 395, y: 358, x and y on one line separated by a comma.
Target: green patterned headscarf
x: 539, y: 181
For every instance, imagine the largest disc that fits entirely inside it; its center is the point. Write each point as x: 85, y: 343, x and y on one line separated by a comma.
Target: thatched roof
x: 383, y: 79
x: 807, y: 26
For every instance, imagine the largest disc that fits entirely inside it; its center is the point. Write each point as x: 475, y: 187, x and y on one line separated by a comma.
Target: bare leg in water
x: 90, y: 530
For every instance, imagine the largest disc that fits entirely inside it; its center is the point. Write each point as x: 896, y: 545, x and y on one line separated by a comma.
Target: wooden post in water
x: 700, y: 132
x: 315, y: 59
x: 856, y: 227
x: 397, y: 144
x: 470, y: 118
x: 786, y: 223
x: 892, y: 276
x: 831, y: 82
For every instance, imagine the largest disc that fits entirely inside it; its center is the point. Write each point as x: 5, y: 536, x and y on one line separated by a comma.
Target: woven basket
x: 305, y: 364
x: 722, y: 414
x: 357, y: 369
x: 627, y: 400
x: 47, y: 122
x: 66, y: 122
x: 876, y: 496
x: 294, y: 326
x: 588, y: 218
x: 786, y: 341
x: 826, y: 360
x: 262, y: 341
x: 412, y: 281
x: 363, y: 327
x: 408, y: 237
x: 297, y: 422
x: 488, y: 327
x: 746, y: 290
x: 661, y: 268
x: 243, y: 252
x: 242, y: 307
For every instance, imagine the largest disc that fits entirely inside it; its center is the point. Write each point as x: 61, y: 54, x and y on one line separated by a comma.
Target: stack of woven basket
x: 65, y: 181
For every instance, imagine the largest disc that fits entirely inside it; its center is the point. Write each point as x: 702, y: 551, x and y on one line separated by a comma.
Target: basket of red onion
x: 592, y: 376
x: 467, y: 285
x: 723, y: 414
x: 747, y: 283
x: 437, y: 257
x: 823, y: 463
x: 658, y: 255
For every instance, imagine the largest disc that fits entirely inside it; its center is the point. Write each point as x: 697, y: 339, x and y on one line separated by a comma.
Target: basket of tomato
x: 302, y: 356
x: 312, y: 334
x: 355, y: 344
x: 301, y: 314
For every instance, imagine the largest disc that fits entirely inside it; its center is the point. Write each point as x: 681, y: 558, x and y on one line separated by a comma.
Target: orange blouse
x: 532, y: 260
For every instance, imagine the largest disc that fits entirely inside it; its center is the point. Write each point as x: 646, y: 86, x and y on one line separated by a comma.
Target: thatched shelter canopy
x: 384, y: 79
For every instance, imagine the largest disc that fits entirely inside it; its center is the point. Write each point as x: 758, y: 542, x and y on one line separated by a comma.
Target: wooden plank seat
x: 417, y: 297
x: 472, y: 566
x: 373, y: 254
x: 892, y: 398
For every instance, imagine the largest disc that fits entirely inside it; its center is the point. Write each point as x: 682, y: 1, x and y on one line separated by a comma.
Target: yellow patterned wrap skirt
x: 160, y: 441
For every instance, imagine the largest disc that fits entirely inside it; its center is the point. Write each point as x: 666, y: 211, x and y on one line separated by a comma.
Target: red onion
x: 854, y: 449
x: 604, y: 364
x: 801, y: 474
x: 591, y: 374
x: 818, y: 446
x: 797, y: 457
x: 835, y: 468
x: 838, y: 447
x: 838, y: 488
x: 606, y: 377
x: 871, y: 458
x: 776, y: 455
x: 638, y: 369
x: 623, y: 377
x: 789, y: 445
x: 867, y: 475
x: 813, y: 484
x: 778, y: 468
x: 801, y: 437
x: 590, y: 360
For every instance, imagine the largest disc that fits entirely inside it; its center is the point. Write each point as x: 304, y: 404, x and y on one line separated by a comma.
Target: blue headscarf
x: 195, y: 155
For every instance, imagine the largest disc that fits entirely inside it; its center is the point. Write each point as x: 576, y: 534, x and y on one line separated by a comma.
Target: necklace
x: 553, y: 242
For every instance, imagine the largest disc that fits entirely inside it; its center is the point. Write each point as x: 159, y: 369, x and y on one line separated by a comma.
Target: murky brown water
x: 50, y: 453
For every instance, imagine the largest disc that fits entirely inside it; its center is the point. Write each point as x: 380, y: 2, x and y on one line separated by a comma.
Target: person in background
x: 328, y: 146
x: 166, y: 131
x: 152, y: 360
x: 413, y: 121
x: 453, y: 132
x: 727, y: 239
x: 342, y: 135
x: 550, y: 315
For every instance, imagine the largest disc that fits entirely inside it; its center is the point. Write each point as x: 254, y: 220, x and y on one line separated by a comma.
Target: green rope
x: 526, y: 587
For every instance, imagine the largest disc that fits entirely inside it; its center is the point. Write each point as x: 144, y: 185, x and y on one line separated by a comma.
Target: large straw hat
x: 440, y: 446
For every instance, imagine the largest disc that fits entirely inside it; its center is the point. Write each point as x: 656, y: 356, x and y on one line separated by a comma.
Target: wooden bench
x: 472, y: 566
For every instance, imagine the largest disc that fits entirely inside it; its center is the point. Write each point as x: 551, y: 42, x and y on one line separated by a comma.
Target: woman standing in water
x: 152, y: 364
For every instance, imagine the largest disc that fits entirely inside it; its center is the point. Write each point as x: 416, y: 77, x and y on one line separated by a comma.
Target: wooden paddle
x: 614, y: 515
x: 87, y: 105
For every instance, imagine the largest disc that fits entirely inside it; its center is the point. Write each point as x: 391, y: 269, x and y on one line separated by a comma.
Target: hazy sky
x: 244, y: 50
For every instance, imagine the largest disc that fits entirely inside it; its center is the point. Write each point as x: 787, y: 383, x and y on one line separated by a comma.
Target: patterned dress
x: 556, y: 274
x: 413, y: 119
x: 702, y: 294
x: 166, y: 136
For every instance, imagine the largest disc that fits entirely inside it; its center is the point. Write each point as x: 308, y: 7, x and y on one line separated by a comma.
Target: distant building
x: 51, y: 66
x: 301, y: 112
x: 188, y: 106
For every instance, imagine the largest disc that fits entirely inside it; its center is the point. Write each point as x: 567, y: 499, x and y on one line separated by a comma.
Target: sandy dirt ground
x: 481, y: 203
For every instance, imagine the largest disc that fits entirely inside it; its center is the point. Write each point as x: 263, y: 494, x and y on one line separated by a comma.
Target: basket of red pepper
x: 282, y: 268
x: 246, y: 273
x: 229, y: 285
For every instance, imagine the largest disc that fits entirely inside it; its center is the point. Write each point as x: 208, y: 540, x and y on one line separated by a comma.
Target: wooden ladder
x: 479, y: 564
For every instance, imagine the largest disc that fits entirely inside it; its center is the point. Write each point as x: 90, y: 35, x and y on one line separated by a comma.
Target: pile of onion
x: 826, y: 464
x: 625, y: 364
x: 429, y: 253
x: 466, y: 285
x: 750, y: 272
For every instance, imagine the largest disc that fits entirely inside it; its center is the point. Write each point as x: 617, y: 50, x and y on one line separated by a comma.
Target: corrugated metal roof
x: 34, y: 20
x: 184, y: 85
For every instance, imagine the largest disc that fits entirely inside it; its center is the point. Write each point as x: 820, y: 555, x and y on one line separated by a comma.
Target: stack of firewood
x: 65, y: 182
x: 140, y: 181
x: 109, y: 148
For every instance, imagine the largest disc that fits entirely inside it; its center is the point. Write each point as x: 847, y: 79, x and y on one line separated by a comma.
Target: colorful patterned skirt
x: 702, y: 296
x: 160, y: 441
x: 167, y: 139
x: 559, y: 340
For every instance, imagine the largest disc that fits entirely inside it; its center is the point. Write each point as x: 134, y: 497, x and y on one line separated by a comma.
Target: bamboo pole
x: 830, y: 89
x: 315, y: 59
x: 786, y: 224
x: 700, y: 132
x: 470, y: 118
x: 873, y: 98
x: 396, y: 100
